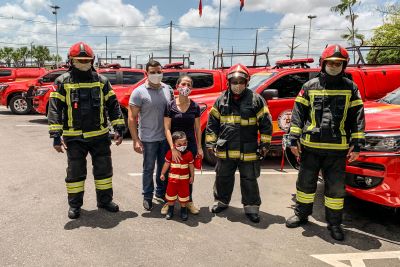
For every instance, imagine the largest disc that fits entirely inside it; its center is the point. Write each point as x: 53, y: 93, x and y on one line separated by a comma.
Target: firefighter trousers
x: 333, y: 173
x: 100, y: 152
x: 225, y: 180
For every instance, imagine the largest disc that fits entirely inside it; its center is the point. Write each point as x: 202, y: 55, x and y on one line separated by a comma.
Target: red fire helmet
x: 238, y: 70
x: 335, y: 52
x: 80, y: 51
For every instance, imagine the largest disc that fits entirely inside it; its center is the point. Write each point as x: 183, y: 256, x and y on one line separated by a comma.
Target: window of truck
x: 290, y: 85
x: 111, y: 76
x: 4, y: 73
x: 201, y: 79
x: 51, y: 77
x: 259, y: 78
x: 130, y: 77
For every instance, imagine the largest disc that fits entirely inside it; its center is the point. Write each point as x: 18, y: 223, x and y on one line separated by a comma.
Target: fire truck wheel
x: 20, y: 105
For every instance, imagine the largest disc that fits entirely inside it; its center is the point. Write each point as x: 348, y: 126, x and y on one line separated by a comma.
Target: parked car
x: 14, y: 94
x: 20, y: 74
x: 374, y: 177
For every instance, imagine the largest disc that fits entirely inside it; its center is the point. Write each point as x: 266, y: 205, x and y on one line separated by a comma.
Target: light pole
x: 55, y: 7
x: 309, y: 33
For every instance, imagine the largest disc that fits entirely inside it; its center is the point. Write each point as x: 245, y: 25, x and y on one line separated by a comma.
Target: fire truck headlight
x: 382, y: 142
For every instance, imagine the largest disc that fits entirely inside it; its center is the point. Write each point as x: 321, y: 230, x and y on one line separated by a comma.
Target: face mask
x: 181, y: 148
x: 82, y: 66
x: 237, y: 89
x: 332, y: 70
x: 155, y: 78
x: 185, y: 91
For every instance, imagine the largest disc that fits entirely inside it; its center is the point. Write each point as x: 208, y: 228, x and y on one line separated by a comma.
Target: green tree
x: 343, y: 7
x: 386, y: 35
x: 25, y: 53
x: 41, y: 54
x: 7, y: 55
x: 349, y: 36
x: 16, y: 57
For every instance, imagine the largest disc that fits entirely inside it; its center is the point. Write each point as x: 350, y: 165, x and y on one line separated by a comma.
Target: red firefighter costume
x: 178, y: 177
x: 327, y: 119
x: 78, y: 112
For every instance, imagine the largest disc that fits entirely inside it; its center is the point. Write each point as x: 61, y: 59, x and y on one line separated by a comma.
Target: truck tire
x: 20, y: 105
x: 210, y: 158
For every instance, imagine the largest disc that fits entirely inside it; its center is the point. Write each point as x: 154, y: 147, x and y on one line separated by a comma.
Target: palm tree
x: 16, y: 57
x: 41, y: 54
x: 341, y: 8
x: 7, y: 53
x: 349, y: 36
x: 24, y: 52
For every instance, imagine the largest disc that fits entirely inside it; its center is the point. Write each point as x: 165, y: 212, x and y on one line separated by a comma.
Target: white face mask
x: 155, y: 78
x: 185, y: 91
x: 181, y: 148
x: 237, y: 89
x: 333, y: 71
x: 82, y: 66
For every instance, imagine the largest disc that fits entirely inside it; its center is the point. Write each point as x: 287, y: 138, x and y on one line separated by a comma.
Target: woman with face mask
x: 183, y: 114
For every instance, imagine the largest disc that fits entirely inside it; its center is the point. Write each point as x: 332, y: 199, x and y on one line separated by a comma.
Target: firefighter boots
x: 74, y: 213
x: 110, y: 206
x: 170, y: 212
x: 296, y: 221
x: 336, y: 232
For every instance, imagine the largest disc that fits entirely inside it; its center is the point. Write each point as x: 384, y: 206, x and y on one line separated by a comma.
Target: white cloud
x: 36, y: 5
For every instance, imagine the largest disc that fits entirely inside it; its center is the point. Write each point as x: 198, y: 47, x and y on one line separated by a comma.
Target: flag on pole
x: 241, y: 4
x: 200, y: 8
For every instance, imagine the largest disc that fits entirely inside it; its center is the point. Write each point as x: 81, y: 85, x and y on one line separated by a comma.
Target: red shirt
x: 179, y: 170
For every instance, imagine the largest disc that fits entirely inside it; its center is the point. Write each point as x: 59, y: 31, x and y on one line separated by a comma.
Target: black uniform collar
x: 82, y: 76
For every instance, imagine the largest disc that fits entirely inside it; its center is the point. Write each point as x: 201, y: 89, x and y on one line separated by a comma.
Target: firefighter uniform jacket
x: 78, y: 110
x: 233, y: 126
x: 328, y: 115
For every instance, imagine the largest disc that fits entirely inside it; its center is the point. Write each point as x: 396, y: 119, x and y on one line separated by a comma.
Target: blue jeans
x: 192, y: 147
x: 152, y: 152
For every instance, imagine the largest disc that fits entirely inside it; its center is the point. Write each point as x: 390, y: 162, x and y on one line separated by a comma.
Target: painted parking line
x: 213, y: 172
x: 356, y: 259
x: 32, y: 125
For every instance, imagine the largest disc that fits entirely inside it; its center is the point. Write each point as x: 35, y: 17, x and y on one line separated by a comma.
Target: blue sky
x: 145, y: 27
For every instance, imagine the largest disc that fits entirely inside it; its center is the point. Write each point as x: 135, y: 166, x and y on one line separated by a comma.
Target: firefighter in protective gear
x: 235, y: 121
x: 78, y: 123
x: 327, y: 126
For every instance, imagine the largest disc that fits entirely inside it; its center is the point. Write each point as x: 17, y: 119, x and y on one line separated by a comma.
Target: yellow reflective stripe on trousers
x: 304, y: 197
x: 183, y: 199
x: 107, y: 96
x: 103, y: 184
x: 355, y: 103
x: 334, y: 203
x: 261, y: 113
x: 214, y: 112
x: 249, y: 121
x: 171, y: 198
x: 58, y: 96
x: 230, y: 119
x: 266, y: 138
x: 55, y: 127
x: 296, y: 130
x: 118, y: 122
x: 95, y: 133
x: 72, y: 132
x: 211, y: 137
x: 75, y: 187
x: 324, y: 145
x: 303, y: 101
x: 359, y: 135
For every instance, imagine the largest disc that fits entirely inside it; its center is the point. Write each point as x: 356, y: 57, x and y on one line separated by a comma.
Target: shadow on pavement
x: 366, y: 224
x: 234, y: 214
x: 39, y: 121
x: 6, y: 112
x: 204, y: 216
x: 99, y: 219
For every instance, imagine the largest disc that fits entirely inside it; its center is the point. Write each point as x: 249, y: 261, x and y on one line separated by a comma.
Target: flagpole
x: 219, y: 31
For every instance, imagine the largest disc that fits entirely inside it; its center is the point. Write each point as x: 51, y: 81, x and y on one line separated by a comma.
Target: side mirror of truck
x: 40, y: 81
x: 269, y: 94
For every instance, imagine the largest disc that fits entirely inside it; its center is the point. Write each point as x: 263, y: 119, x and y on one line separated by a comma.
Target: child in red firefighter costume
x: 181, y: 174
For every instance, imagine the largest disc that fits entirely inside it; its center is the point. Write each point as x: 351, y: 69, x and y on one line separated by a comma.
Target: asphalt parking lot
x: 35, y: 229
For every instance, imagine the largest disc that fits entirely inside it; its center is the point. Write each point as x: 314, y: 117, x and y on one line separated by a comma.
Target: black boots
x: 110, y: 206
x: 336, y: 232
x: 74, y: 213
x: 217, y: 208
x: 295, y: 221
x: 254, y: 217
x: 170, y: 212
x: 184, y: 214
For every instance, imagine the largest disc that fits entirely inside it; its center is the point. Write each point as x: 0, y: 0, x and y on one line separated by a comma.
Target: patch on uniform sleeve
x: 301, y: 93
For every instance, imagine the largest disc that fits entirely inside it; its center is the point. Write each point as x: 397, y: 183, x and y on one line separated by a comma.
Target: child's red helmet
x: 198, y: 162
